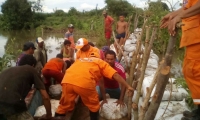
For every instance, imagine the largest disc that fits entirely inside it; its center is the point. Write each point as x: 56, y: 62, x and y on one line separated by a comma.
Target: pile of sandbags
x: 110, y: 110
x: 41, y: 109
x: 130, y: 47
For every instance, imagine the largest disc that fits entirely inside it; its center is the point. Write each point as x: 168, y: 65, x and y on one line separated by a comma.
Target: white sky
x: 51, y: 5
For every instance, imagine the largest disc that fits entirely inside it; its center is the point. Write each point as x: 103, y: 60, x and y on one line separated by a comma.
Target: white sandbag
x: 41, y: 109
x: 174, y: 110
x: 110, y: 110
x: 112, y: 47
x: 150, y: 71
x: 178, y: 94
x: 55, y: 90
x: 126, y: 53
x: 130, y: 54
x: 129, y: 47
x: 138, y: 30
x: 154, y: 56
x: 128, y: 41
x: 152, y: 63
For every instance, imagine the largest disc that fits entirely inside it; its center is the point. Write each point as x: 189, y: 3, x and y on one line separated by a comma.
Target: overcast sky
x: 50, y: 5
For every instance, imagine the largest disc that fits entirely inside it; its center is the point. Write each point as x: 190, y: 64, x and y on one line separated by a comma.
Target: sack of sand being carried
x: 112, y: 111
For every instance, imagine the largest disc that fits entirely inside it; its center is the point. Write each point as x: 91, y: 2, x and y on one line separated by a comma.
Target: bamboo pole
x: 133, y: 65
x: 148, y: 46
x: 162, y: 80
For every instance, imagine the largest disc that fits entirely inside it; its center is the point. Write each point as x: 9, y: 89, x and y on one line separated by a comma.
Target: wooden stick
x: 132, y: 68
x: 162, y: 80
x: 148, y: 47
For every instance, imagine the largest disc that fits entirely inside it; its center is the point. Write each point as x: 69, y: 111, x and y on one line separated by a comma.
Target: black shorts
x: 119, y: 36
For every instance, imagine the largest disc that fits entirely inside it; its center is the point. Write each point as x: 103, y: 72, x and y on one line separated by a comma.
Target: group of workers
x: 93, y: 71
x: 90, y: 74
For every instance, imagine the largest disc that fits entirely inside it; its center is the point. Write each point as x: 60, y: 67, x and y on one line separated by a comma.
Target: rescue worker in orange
x: 54, y: 68
x: 190, y: 16
x: 81, y: 80
x: 85, y: 49
x: 108, y: 22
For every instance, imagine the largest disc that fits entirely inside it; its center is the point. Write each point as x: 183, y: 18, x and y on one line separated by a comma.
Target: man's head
x: 105, y: 13
x: 82, y: 44
x: 29, y: 48
x: 40, y: 42
x: 59, y: 56
x: 121, y: 17
x: 67, y: 43
x: 27, y: 60
x: 71, y: 28
x: 105, y: 48
x: 110, y: 57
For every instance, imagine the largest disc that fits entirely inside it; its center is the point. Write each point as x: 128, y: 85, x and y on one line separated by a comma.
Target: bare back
x: 121, y: 27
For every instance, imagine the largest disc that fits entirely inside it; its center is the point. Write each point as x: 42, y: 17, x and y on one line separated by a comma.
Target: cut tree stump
x: 162, y: 80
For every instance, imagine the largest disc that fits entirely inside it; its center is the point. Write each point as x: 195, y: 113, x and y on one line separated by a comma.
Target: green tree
x: 118, y: 7
x: 17, y: 14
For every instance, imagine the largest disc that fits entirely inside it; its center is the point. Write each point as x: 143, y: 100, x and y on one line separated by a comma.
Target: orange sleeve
x: 106, y: 69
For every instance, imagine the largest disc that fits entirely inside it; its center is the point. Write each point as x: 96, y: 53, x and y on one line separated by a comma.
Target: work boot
x: 193, y: 113
x: 94, y: 115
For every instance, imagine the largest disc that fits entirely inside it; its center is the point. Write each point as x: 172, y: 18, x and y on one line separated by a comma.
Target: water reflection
x: 12, y: 42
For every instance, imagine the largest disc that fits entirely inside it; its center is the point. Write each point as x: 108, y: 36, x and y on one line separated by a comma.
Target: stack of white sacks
x: 177, y: 94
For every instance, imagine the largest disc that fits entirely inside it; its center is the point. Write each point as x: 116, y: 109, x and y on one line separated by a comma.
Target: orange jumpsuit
x: 80, y: 79
x: 191, y: 40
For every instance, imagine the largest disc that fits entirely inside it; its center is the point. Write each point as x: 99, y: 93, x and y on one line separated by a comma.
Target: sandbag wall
x: 172, y: 91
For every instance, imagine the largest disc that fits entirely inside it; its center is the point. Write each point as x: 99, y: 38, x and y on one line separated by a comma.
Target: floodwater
x: 12, y: 42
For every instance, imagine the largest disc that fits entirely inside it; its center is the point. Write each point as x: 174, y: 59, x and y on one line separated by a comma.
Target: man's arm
x: 46, y: 102
x: 194, y: 10
x: 117, y: 27
x: 165, y: 20
x: 119, y: 79
x: 102, y: 90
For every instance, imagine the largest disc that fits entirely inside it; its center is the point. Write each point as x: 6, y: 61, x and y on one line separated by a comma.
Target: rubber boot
x: 94, y: 115
x: 194, y: 113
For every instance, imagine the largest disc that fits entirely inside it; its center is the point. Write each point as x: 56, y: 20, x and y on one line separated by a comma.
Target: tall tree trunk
x: 162, y: 80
